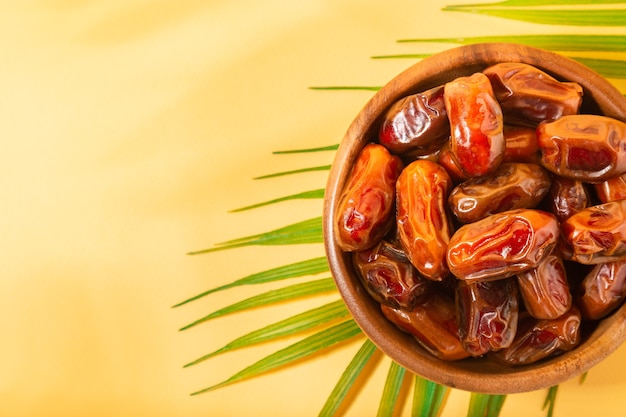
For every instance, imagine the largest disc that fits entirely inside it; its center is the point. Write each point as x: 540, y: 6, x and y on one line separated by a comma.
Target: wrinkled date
x: 488, y: 216
x: 584, y: 147
x: 487, y: 313
x: 433, y: 324
x: 502, y: 244
x: 389, y: 277
x: 529, y: 96
x: 545, y: 289
x: 476, y: 124
x: 416, y: 122
x: 537, y: 339
x: 365, y: 210
x: 596, y: 234
x: 603, y: 289
x: 511, y: 186
x: 422, y: 220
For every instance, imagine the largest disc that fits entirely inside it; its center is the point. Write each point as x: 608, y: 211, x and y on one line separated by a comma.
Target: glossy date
x: 476, y: 124
x: 584, y: 147
x: 389, y: 277
x: 366, y: 207
x: 502, y: 245
x: 603, y: 290
x: 529, y: 96
x: 567, y: 197
x: 545, y: 289
x: 511, y: 186
x: 423, y: 226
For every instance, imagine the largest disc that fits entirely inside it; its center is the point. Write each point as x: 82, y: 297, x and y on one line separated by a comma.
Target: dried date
x: 366, y: 206
x: 389, y: 277
x: 529, y: 95
x: 476, y: 124
x: 596, y: 234
x: 511, y: 186
x: 585, y: 147
x: 566, y: 197
x: 545, y: 289
x: 423, y: 226
x: 602, y: 290
x: 487, y: 314
x: 612, y: 189
x: 502, y: 245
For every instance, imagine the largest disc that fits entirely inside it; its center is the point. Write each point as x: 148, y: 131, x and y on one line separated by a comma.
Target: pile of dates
x: 488, y: 218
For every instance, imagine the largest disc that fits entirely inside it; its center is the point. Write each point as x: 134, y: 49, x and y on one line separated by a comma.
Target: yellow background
x: 129, y: 129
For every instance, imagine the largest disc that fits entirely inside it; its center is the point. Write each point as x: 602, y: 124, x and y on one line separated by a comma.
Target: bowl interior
x: 476, y: 375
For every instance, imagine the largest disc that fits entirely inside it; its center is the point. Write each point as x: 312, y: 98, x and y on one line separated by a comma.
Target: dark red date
x: 389, y: 277
x: 414, y: 123
x: 366, y: 207
x: 545, y: 289
x: 529, y: 96
x: 537, y: 339
x: 602, y: 290
x: 487, y: 314
x: 567, y: 197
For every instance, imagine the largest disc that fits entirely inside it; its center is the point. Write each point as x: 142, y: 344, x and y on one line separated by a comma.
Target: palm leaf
x: 339, y: 392
x: 575, y: 17
x: 551, y: 400
x: 305, y: 347
x: 319, y: 193
x: 292, y: 325
x: 429, y: 398
x: 554, y: 42
x: 507, y: 3
x: 609, y: 68
x: 347, y: 87
x: 391, y: 391
x: 294, y: 270
x: 319, y: 149
x: 307, y: 231
x: 485, y: 405
x: 270, y: 297
x: 295, y: 171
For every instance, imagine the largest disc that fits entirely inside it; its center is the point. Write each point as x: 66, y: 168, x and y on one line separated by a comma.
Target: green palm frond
x: 485, y: 405
x: 292, y: 325
x: 290, y: 292
x: 307, y: 231
x: 347, y: 379
x: 550, y: 400
x: 557, y: 16
x: 429, y: 398
x: 308, y: 150
x: 305, y: 347
x: 555, y: 42
x: 391, y: 391
x: 313, y: 194
x: 294, y: 171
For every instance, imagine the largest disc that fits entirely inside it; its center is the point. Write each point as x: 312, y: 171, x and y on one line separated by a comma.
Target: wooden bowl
x: 476, y: 374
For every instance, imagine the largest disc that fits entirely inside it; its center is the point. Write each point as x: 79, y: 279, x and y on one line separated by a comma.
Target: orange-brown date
x: 476, y: 124
x: 389, y: 277
x: 366, y: 207
x: 545, y: 290
x: 512, y: 186
x: 612, y: 189
x: 538, y: 339
x: 415, y: 122
x: 433, y: 324
x: 566, y: 197
x: 585, y: 147
x: 502, y: 245
x: 596, y: 234
x: 487, y: 314
x: 603, y: 290
x: 520, y: 144
x: 447, y: 161
x: 529, y: 96
x: 423, y: 226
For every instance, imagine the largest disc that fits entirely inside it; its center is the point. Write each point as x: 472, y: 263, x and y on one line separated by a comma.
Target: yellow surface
x: 129, y: 129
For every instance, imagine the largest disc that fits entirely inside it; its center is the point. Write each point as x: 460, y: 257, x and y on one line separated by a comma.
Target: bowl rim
x: 473, y: 375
